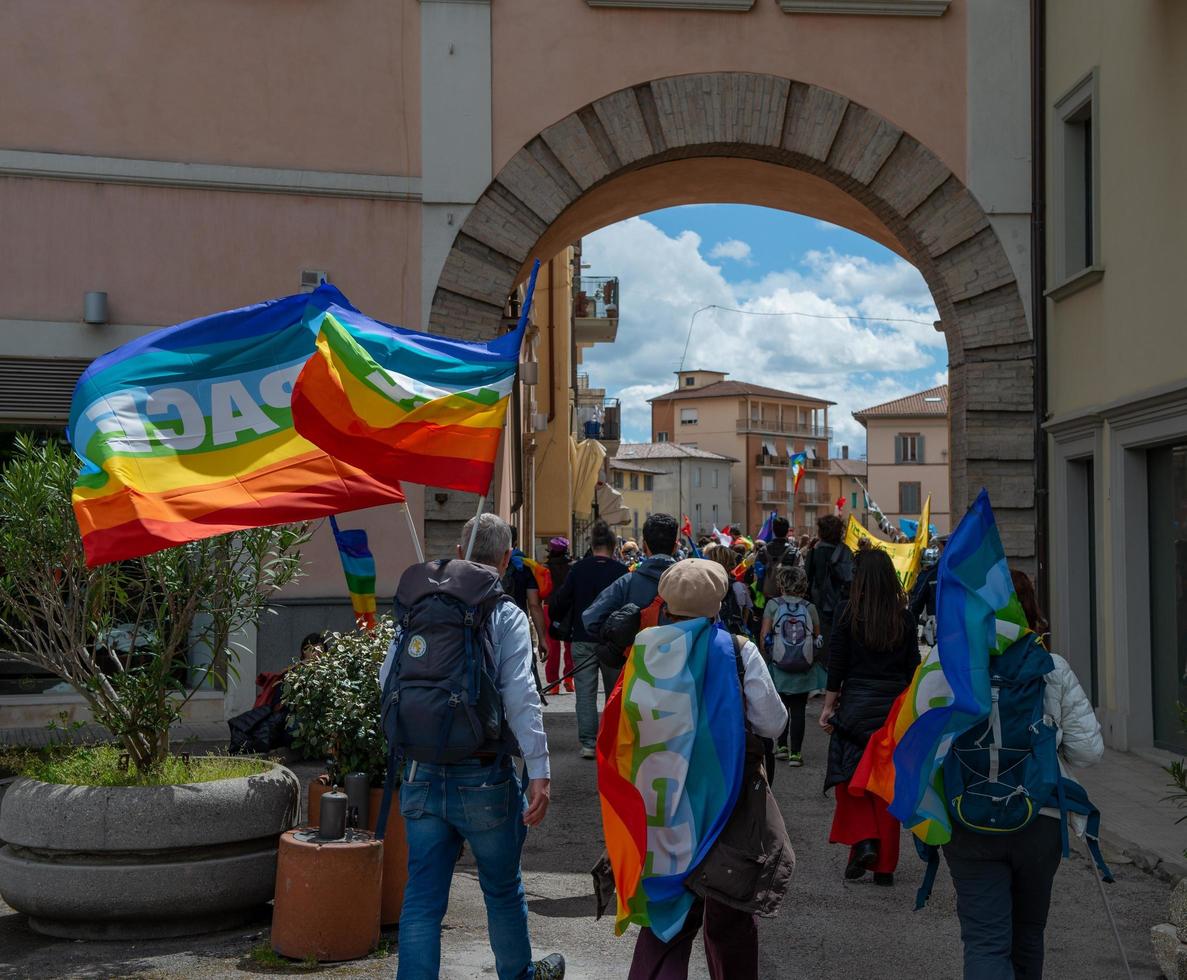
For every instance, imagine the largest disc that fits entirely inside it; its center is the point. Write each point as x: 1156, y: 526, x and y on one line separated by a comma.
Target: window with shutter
x: 898, y: 449
x: 919, y: 449
x: 909, y: 498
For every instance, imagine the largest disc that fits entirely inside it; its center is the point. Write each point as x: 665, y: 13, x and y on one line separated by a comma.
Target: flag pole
x: 420, y: 555
x: 474, y: 532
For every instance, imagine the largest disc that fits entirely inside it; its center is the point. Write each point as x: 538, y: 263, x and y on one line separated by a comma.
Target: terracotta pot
x: 327, y: 899
x: 395, y: 847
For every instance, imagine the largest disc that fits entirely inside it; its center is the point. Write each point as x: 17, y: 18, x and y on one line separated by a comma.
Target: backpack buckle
x: 469, y: 620
x: 455, y: 698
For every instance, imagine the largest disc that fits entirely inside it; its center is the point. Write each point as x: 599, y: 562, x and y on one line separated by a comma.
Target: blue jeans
x: 443, y: 806
x: 586, y: 683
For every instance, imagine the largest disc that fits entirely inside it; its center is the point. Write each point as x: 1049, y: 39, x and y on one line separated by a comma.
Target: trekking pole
x: 576, y: 670
x: 1112, y: 921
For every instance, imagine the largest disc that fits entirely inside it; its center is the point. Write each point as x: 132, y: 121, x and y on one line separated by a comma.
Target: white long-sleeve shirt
x: 512, y: 643
x: 764, y: 707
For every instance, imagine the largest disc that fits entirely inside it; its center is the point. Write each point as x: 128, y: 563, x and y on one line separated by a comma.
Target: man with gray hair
x: 459, y: 782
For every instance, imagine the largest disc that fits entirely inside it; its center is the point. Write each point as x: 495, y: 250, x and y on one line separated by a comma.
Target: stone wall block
x: 813, y: 117
x: 1011, y: 483
x: 622, y: 119
x: 575, y: 149
x: 863, y: 144
x: 460, y: 316
x: 998, y: 436
x: 999, y: 386
x: 500, y: 221
x: 992, y: 319
x: 529, y: 180
x: 478, y: 272
x: 949, y: 215
x: 975, y: 266
x: 909, y: 176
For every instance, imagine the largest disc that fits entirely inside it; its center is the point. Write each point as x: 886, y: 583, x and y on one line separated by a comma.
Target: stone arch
x: 934, y: 219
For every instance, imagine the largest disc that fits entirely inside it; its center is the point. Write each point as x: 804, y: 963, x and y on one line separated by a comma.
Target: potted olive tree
x: 125, y: 840
x: 333, y: 701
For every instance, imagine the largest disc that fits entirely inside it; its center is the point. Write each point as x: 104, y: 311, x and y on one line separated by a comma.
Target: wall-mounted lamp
x: 94, y: 307
x: 441, y: 498
x: 529, y: 372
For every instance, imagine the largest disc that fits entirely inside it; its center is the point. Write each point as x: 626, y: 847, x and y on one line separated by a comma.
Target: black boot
x: 884, y: 878
x: 865, y: 856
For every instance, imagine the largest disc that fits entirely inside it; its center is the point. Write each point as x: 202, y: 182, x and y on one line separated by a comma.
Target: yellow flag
x: 906, y: 556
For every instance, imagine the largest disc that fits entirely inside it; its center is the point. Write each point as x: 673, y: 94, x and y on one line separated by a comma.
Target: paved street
x: 828, y: 929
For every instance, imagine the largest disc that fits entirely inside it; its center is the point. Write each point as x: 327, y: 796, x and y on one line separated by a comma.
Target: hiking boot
x: 795, y: 760
x: 588, y: 753
x: 552, y: 967
x: 864, y: 857
x: 781, y: 752
x: 884, y: 878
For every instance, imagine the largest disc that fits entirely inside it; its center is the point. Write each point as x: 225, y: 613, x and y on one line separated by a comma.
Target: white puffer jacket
x: 1078, y: 738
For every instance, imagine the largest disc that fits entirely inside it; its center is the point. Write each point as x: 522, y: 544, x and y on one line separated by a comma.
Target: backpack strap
x: 931, y: 854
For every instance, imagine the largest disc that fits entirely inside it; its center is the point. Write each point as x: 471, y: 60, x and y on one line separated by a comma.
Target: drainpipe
x: 551, y: 343
x: 1038, y: 280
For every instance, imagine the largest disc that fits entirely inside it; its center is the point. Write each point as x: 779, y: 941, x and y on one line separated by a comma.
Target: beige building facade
x: 907, y: 449
x: 1116, y: 409
x: 691, y: 482
x: 761, y: 428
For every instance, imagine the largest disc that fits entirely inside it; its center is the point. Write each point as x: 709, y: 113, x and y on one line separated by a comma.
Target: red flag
x: 686, y: 528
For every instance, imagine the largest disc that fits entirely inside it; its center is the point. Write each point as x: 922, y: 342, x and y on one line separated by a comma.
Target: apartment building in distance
x: 760, y: 428
x: 907, y: 455
x: 685, y: 480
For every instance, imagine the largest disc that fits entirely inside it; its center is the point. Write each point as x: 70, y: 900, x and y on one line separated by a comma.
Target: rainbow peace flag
x: 798, y: 463
x: 359, y: 565
x: 406, y: 405
x: 187, y: 432
x: 978, y: 615
x: 670, y: 754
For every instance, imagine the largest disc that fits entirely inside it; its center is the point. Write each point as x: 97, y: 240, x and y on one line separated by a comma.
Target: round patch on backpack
x: 417, y: 646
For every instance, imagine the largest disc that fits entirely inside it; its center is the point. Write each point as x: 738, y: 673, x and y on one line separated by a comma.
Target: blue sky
x: 877, y: 342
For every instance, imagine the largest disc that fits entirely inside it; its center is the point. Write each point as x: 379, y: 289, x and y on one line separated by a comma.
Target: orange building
x: 759, y: 426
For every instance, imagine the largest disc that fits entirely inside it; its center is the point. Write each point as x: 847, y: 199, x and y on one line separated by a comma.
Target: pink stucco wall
x: 309, y: 84
x: 566, y: 54
x: 164, y: 255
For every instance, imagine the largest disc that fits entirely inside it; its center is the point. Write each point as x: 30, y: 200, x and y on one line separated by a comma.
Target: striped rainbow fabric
x: 358, y: 564
x: 187, y: 432
x: 407, y: 405
x: 670, y: 754
x: 797, y: 462
x: 978, y: 615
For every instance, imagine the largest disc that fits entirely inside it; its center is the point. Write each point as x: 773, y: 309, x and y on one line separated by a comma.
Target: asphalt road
x: 828, y: 929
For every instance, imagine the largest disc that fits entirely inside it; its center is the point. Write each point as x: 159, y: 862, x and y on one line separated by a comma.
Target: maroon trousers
x: 731, y: 946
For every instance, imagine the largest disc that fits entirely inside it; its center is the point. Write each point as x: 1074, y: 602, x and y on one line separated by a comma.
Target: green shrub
x: 334, y: 701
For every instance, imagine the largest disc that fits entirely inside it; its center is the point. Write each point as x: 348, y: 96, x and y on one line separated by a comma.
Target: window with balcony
x: 768, y: 482
x: 908, y: 448
x: 689, y: 416
x: 910, y: 498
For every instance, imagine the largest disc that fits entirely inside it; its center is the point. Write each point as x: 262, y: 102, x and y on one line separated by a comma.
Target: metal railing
x: 766, y: 460
x: 596, y: 297
x: 806, y: 498
x: 789, y: 428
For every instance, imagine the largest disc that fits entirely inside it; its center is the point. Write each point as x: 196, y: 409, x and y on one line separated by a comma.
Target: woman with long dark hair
x: 872, y: 658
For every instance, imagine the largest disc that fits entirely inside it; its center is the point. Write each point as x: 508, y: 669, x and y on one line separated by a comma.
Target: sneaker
x: 588, y: 753
x: 552, y: 967
x: 781, y: 752
x: 569, y: 689
x: 795, y: 759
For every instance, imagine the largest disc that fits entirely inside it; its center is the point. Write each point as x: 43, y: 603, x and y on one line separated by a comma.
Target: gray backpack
x: 441, y: 703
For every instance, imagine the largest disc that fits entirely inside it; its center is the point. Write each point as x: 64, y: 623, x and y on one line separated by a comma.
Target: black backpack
x: 834, y: 591
x: 441, y: 703
x: 770, y: 582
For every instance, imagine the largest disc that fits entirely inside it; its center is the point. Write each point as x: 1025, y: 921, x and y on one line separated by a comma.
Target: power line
x: 812, y: 316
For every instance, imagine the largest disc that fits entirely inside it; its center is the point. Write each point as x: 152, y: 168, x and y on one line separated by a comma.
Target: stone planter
x: 1168, y: 939
x: 102, y: 862
x: 395, y: 847
x: 5, y: 782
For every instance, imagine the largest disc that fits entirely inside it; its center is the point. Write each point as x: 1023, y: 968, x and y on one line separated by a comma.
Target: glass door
x: 1167, y: 471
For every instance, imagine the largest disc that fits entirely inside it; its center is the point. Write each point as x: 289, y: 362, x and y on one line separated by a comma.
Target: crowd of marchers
x: 814, y: 624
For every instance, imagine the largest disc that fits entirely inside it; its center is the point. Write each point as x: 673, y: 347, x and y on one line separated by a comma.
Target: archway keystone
x: 935, y: 219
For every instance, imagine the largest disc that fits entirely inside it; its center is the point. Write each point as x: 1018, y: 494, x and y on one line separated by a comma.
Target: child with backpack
x: 791, y: 639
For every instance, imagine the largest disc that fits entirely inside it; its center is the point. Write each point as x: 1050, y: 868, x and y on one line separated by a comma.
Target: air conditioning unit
x: 312, y: 278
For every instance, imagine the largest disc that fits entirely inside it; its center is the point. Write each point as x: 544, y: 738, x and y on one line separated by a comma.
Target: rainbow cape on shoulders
x: 670, y: 754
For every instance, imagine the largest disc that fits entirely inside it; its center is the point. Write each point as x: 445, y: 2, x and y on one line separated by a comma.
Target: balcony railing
x: 767, y: 461
x: 785, y: 427
x: 805, y: 498
x: 596, y: 298
x: 605, y: 425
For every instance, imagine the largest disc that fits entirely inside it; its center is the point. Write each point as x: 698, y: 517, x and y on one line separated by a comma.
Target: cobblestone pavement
x: 828, y: 929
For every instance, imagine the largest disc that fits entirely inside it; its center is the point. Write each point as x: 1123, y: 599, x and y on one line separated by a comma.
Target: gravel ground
x: 828, y: 929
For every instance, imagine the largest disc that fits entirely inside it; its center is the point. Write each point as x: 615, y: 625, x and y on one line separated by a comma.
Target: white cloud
x: 818, y: 343
x: 731, y: 248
